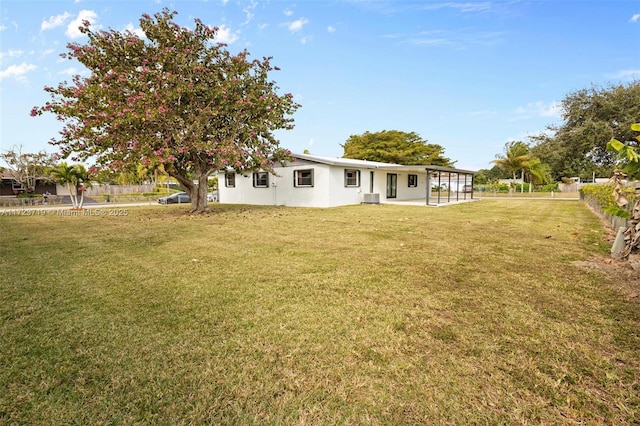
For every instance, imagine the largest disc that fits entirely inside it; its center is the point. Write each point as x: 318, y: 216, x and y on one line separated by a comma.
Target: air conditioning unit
x: 371, y: 198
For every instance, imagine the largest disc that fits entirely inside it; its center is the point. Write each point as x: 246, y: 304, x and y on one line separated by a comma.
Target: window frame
x: 230, y: 180
x: 412, y: 180
x: 257, y: 179
x: 347, y: 178
x: 297, y: 178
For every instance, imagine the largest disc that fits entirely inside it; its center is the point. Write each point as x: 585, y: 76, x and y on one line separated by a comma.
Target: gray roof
x: 365, y: 164
x: 338, y: 161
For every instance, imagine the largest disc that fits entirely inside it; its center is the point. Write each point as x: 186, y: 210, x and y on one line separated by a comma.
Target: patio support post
x: 428, y: 186
x: 472, y: 187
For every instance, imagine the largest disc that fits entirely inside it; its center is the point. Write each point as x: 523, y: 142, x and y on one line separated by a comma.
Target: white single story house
x: 315, y: 181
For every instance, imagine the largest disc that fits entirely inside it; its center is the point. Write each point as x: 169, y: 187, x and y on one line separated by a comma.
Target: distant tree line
x: 577, y: 147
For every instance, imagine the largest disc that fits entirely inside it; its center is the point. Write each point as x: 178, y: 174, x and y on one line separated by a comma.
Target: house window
x: 351, y: 177
x: 413, y: 181
x: 260, y: 180
x: 230, y: 180
x: 303, y: 178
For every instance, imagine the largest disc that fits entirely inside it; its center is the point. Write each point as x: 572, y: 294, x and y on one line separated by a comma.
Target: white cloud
x: 248, y: 11
x: 262, y: 26
x: 471, y: 7
x: 137, y: 31
x: 17, y: 71
x: 423, y: 41
x: 331, y: 29
x: 297, y: 24
x: 627, y: 74
x: 635, y: 18
x: 311, y: 142
x: 304, y: 40
x: 225, y: 35
x: 55, y: 21
x: 83, y: 15
x: 69, y: 71
x: 457, y: 39
x: 12, y: 53
x: 483, y: 113
x: 539, y: 109
x: 14, y: 24
x: 287, y: 12
x: 461, y: 6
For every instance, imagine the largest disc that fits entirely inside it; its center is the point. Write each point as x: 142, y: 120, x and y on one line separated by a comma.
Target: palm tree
x: 72, y: 176
x: 82, y: 179
x: 537, y: 172
x: 516, y: 157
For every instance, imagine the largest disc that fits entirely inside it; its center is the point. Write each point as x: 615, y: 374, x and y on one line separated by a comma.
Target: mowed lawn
x: 465, y: 314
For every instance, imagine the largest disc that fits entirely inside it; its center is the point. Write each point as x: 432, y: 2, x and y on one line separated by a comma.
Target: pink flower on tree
x: 154, y: 107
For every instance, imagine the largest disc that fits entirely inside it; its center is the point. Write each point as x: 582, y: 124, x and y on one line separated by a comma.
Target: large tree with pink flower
x: 174, y: 97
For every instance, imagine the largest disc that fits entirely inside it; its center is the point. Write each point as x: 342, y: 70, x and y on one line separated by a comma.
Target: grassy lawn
x: 466, y: 314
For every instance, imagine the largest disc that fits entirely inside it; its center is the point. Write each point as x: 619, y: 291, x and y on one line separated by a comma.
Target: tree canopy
x: 590, y: 118
x: 394, y: 146
x: 174, y: 98
x: 27, y: 168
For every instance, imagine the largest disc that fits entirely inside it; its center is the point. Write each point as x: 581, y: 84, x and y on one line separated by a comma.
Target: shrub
x: 548, y: 187
x: 603, y: 194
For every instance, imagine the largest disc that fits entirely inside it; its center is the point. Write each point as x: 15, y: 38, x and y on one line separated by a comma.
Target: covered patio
x: 439, y: 185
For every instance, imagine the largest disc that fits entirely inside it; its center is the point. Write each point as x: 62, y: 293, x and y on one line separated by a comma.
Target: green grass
x: 466, y: 314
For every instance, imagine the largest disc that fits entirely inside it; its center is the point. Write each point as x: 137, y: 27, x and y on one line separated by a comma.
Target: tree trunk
x: 197, y: 192
x: 199, y: 204
x: 73, y: 195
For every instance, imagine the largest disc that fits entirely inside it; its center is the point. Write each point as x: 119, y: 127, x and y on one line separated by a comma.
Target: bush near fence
x: 503, y: 188
x: 599, y: 197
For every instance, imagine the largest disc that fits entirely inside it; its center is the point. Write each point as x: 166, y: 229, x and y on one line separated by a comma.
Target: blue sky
x: 469, y: 75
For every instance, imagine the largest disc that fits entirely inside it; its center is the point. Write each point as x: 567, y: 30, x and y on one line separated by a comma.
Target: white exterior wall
x: 316, y: 196
x: 328, y: 188
x: 244, y: 192
x: 341, y: 195
x: 406, y: 193
x: 403, y: 191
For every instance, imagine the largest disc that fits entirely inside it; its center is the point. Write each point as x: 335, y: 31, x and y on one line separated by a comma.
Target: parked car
x: 212, y: 196
x: 178, y: 197
x: 467, y: 188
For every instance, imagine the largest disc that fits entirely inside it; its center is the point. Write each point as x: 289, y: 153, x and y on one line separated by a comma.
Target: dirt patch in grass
x: 624, y: 275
